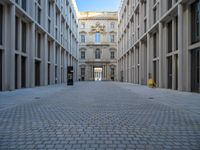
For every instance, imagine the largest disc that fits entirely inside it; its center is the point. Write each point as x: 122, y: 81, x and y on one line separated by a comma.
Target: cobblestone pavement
x: 99, y: 115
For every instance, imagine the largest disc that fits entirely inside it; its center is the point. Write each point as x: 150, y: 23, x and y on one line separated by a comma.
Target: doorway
x: 23, y: 72
x: 37, y: 73
x: 98, y: 74
x: 1, y: 70
x: 169, y: 72
x: 195, y: 70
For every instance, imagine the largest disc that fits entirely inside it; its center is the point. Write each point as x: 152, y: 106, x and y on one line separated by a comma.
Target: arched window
x: 98, y: 54
x: 97, y: 37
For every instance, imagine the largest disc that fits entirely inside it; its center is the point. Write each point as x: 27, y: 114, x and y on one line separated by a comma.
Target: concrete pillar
x: 161, y: 56
x: 180, y: 47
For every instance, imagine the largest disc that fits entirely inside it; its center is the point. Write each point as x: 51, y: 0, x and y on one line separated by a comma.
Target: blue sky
x: 98, y: 5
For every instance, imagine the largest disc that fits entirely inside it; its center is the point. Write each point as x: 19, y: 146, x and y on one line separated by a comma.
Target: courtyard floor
x: 99, y: 115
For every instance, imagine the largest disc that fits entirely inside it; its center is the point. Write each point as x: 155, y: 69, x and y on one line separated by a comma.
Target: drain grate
x: 151, y: 98
x: 37, y: 98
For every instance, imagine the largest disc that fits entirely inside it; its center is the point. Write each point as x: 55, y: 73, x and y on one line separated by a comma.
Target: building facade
x: 98, y: 45
x: 160, y: 39
x: 38, y: 40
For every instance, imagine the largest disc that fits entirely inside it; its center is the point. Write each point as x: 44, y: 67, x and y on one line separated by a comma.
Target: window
x: 154, y: 15
x: 38, y: 45
x: 49, y: 9
x: 1, y: 24
x: 169, y: 4
x: 83, y: 25
x: 23, y: 37
x: 82, y: 71
x: 112, y: 38
x: 112, y: 25
x: 16, y: 33
x: 195, y: 19
x: 39, y: 15
x: 82, y: 54
x: 49, y: 51
x: 112, y: 55
x: 24, y: 4
x: 97, y: 37
x: 169, y: 26
x: 154, y: 45
x: 82, y: 38
x: 98, y: 54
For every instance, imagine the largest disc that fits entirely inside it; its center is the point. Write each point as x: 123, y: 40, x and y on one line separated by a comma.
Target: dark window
x: 154, y: 45
x: 195, y: 19
x: 16, y: 71
x: 177, y: 33
x: 37, y: 73
x: 1, y: 24
x: 49, y: 9
x: 39, y: 15
x: 24, y: 4
x: 98, y: 54
x: 82, y: 71
x: 154, y: 15
x: 112, y: 55
x: 38, y: 45
x: 169, y: 37
x: 169, y: 4
x: 1, y: 70
x: 23, y: 37
x: 49, y: 51
x: 16, y: 33
x: 82, y: 55
x: 155, y: 72
x: 82, y: 38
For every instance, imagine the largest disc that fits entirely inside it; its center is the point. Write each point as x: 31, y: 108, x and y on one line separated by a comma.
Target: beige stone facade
x: 98, y: 45
x: 160, y: 39
x: 38, y: 40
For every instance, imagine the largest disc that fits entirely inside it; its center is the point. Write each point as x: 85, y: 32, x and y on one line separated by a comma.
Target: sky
x: 98, y: 5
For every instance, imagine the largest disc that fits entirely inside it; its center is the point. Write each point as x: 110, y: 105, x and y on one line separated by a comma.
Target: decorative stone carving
x: 98, y: 28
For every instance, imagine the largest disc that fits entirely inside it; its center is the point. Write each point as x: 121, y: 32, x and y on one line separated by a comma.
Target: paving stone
x: 99, y: 115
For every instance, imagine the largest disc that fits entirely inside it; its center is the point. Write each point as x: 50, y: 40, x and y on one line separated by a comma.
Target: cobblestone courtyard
x: 99, y: 115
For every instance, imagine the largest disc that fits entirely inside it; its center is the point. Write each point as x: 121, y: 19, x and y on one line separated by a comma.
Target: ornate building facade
x: 98, y: 45
x: 160, y: 39
x: 38, y: 40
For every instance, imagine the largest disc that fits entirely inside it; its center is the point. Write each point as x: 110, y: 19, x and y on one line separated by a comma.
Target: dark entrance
x: 1, y: 70
x: 23, y: 72
x: 169, y: 74
x: 195, y: 70
x: 70, y: 80
x: 37, y: 73
x: 16, y: 71
x: 49, y: 72
x: 176, y: 71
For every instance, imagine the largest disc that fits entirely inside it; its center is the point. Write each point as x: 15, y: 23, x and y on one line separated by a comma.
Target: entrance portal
x: 98, y: 74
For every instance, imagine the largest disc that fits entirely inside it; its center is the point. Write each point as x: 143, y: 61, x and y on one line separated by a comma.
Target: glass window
x: 155, y: 45
x: 195, y: 18
x: 98, y: 54
x: 16, y: 33
x: 112, y: 25
x: 97, y: 37
x: 112, y: 38
x: 112, y: 55
x: 23, y: 37
x: 1, y: 24
x: 24, y: 4
x: 38, y: 45
x: 82, y: 38
x: 83, y: 25
x: 82, y: 71
x: 82, y: 55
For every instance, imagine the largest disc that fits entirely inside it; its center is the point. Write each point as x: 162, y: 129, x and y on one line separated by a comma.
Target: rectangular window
x: 195, y: 21
x: 169, y: 64
x: 1, y: 24
x: 38, y: 45
x: 112, y: 25
x: 24, y: 4
x: 16, y: 33
x: 82, y: 38
x: 49, y: 51
x: 112, y: 55
x: 39, y: 16
x: 82, y: 25
x: 154, y: 45
x: 24, y: 37
x: 169, y: 4
x: 1, y: 69
x: 49, y: 9
x: 177, y: 33
x: 154, y: 15
x: 169, y: 28
x: 97, y: 37
x: 154, y: 72
x: 49, y: 26
x: 82, y: 71
x: 82, y: 55
x: 112, y: 38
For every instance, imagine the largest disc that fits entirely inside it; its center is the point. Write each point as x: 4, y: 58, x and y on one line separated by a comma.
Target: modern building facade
x: 38, y: 40
x: 98, y: 45
x: 160, y: 39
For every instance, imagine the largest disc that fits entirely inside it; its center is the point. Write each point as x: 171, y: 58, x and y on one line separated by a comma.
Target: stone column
x: 161, y: 57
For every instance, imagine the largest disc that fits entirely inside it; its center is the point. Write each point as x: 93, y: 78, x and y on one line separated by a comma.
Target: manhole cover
x: 37, y: 97
x: 151, y: 98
